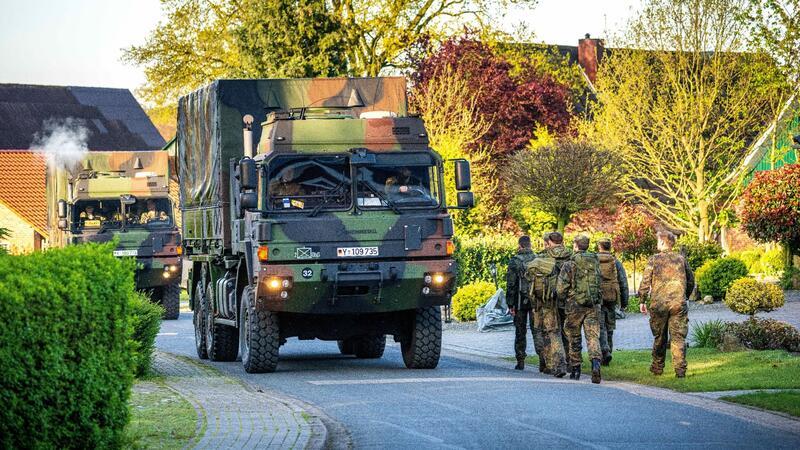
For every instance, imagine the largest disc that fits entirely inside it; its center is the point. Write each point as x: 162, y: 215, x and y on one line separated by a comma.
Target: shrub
x: 748, y: 296
x: 708, y: 334
x: 145, y: 319
x: 697, y: 253
x: 751, y: 259
x: 715, y: 276
x: 476, y: 254
x: 469, y: 298
x: 65, y: 365
x: 766, y: 334
x: 773, y: 261
x: 771, y: 206
x: 790, y: 279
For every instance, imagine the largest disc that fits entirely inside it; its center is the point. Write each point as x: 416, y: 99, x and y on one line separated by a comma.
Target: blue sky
x: 79, y: 42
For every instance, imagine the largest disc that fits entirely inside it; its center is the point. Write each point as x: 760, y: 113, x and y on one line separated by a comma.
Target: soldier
x: 89, y: 214
x: 520, y: 304
x: 667, y: 282
x: 152, y: 214
x: 613, y: 289
x: 401, y: 183
x: 286, y: 185
x: 579, y: 281
x: 554, y: 247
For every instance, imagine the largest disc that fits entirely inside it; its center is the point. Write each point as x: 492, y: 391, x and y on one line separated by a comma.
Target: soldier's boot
x: 606, y: 358
x: 543, y: 366
x: 560, y: 372
x: 576, y: 373
x: 520, y: 364
x: 655, y: 370
x: 596, y: 371
x: 680, y: 373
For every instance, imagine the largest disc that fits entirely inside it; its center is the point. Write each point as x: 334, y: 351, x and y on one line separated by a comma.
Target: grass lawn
x: 787, y: 402
x: 709, y: 370
x: 160, y: 418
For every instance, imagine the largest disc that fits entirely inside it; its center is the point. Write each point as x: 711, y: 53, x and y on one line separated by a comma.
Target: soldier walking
x: 613, y: 291
x: 667, y: 282
x: 554, y: 248
x: 519, y: 303
x: 579, y: 281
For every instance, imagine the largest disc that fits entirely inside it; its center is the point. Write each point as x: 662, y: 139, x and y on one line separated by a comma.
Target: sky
x: 80, y: 42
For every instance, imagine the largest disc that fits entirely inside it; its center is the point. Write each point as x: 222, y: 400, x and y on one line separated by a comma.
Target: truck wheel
x: 199, y: 321
x: 369, y: 347
x: 260, y: 338
x: 171, y: 301
x: 346, y: 347
x: 222, y: 341
x: 422, y: 347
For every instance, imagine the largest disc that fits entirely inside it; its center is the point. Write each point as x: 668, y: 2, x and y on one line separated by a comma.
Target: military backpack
x: 542, y: 276
x: 609, y: 283
x: 586, y: 284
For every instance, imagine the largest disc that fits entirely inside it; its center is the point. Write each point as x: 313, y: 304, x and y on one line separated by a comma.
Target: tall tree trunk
x: 562, y: 222
x: 703, y: 229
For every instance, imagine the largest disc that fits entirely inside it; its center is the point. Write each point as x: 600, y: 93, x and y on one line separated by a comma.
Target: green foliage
x: 470, y: 297
x: 145, y: 320
x: 633, y: 305
x: 708, y: 334
x: 4, y: 233
x: 160, y: 418
x: 716, y: 276
x: 476, y: 254
x: 697, y: 253
x: 531, y: 219
x: 787, y: 401
x: 766, y: 334
x: 790, y: 279
x: 66, y: 368
x: 759, y: 261
x: 771, y: 206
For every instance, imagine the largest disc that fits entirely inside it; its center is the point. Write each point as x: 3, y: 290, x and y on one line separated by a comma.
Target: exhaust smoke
x: 62, y: 142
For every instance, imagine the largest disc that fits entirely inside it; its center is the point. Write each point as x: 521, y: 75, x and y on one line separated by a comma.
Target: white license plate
x: 349, y: 252
x: 126, y: 252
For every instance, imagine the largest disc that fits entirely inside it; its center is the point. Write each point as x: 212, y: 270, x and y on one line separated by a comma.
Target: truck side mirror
x: 248, y: 174
x: 463, y: 178
x: 62, y: 209
x: 62, y: 224
x: 247, y: 200
x: 465, y: 200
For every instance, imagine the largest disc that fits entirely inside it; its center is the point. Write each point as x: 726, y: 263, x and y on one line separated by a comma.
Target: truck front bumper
x: 158, y: 271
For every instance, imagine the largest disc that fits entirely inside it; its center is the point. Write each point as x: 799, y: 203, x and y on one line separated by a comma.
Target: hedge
x: 748, y: 296
x: 145, y: 318
x: 475, y: 255
x: 469, y: 298
x: 716, y: 276
x: 65, y: 356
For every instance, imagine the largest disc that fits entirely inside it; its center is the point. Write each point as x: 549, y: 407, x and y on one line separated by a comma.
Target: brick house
x: 113, y: 118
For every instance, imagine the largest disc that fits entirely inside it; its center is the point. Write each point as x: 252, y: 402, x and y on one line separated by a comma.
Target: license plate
x: 349, y: 252
x: 126, y: 252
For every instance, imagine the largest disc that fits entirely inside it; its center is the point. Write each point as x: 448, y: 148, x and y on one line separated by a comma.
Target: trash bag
x: 494, y: 314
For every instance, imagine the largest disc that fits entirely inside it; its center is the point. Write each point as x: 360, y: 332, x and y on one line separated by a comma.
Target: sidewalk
x: 632, y: 333
x: 237, y: 416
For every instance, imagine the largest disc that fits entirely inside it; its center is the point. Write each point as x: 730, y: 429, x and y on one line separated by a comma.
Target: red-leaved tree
x: 634, y: 236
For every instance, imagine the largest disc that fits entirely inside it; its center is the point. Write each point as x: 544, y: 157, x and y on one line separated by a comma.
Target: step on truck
x: 314, y: 208
x: 122, y: 195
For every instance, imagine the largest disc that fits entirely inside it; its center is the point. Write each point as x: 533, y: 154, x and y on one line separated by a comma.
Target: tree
x: 634, y: 236
x: 680, y: 107
x: 564, y: 178
x: 770, y: 208
x: 4, y: 233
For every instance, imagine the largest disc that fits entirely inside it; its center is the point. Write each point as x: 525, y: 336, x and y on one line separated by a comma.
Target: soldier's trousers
x: 562, y: 317
x: 553, y: 347
x: 608, y: 323
x: 587, y: 318
x: 522, y: 319
x: 669, y: 324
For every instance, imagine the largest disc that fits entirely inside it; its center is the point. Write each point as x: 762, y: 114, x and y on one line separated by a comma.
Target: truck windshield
x: 399, y: 181
x: 309, y: 182
x: 107, y: 214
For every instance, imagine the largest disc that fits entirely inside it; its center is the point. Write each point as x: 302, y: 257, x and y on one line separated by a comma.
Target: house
x: 114, y: 121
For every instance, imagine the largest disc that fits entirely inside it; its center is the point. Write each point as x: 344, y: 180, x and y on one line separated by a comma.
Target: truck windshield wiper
x: 382, y: 196
x: 326, y: 197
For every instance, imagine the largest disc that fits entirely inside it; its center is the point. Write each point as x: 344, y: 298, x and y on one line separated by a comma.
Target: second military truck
x: 314, y: 208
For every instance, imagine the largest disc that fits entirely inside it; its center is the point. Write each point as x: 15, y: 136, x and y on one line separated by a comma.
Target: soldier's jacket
x: 561, y: 255
x: 668, y: 280
x: 149, y: 216
x: 570, y: 281
x: 516, y: 294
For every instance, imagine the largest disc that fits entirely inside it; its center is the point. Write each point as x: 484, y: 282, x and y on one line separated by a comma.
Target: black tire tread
x: 264, y: 340
x: 171, y: 301
x: 423, y: 348
x: 223, y: 340
x: 346, y: 346
x: 369, y: 347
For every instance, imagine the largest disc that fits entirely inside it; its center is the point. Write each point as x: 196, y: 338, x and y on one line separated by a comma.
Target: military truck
x: 123, y: 195
x: 334, y: 226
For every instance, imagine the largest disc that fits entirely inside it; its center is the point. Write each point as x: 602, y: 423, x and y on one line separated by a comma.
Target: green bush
x: 476, y: 254
x: 751, y: 259
x: 790, y: 279
x: 715, y: 276
x: 145, y: 318
x: 65, y: 364
x: 766, y: 334
x: 773, y: 261
x: 470, y: 297
x: 748, y: 296
x: 698, y: 253
x: 708, y: 334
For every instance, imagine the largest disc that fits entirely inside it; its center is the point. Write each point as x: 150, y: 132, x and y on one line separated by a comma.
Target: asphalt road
x: 471, y: 404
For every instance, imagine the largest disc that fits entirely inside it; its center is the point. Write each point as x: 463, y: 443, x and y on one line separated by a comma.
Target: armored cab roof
x: 109, y: 174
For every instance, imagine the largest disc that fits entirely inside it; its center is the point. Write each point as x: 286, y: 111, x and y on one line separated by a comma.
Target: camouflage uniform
x: 608, y: 314
x: 587, y: 317
x: 522, y: 304
x: 561, y: 254
x: 667, y: 281
x: 549, y: 319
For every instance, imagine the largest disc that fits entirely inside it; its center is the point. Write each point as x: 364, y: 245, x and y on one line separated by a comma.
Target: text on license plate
x: 345, y: 252
x: 126, y: 252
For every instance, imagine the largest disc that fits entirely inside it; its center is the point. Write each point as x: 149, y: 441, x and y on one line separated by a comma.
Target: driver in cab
x: 152, y: 214
x: 286, y: 185
x: 89, y: 214
x: 401, y: 183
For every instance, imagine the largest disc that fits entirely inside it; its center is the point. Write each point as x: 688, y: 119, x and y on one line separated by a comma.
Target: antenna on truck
x: 247, y: 135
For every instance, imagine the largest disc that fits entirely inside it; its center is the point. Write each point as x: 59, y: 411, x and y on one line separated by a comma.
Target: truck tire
x: 422, y: 347
x: 259, y: 338
x: 171, y: 300
x: 369, y: 347
x: 346, y: 347
x: 198, y: 319
x: 222, y: 341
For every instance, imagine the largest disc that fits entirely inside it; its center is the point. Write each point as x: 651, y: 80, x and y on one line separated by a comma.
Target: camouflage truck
x: 123, y: 195
x: 333, y: 227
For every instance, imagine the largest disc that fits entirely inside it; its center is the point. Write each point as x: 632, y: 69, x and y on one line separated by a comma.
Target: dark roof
x: 114, y: 118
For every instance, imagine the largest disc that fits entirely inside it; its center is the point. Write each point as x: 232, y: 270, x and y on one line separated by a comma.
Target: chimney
x: 590, y: 54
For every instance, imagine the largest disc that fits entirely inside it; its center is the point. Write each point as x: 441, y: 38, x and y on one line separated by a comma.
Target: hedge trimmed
x: 145, y: 323
x: 65, y: 356
x: 475, y: 255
